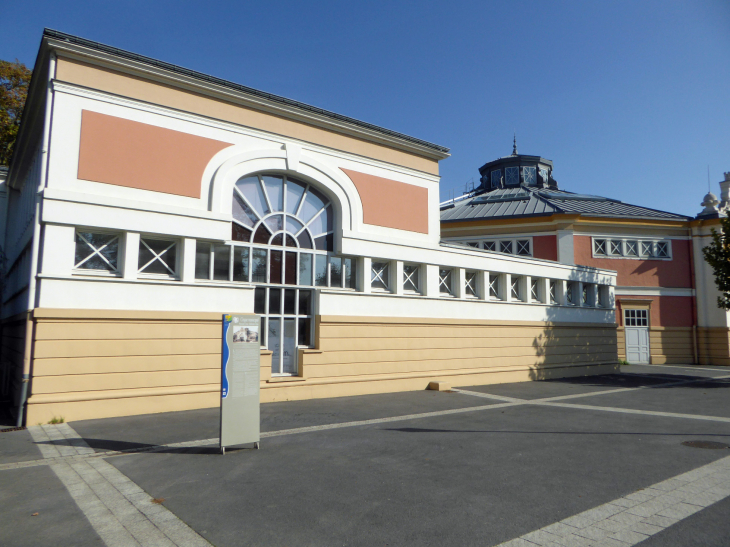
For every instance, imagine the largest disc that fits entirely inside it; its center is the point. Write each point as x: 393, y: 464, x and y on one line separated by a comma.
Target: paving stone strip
x: 633, y: 518
x: 119, y: 511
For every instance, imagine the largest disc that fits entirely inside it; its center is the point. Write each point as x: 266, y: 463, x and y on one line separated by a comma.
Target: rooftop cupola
x: 517, y: 170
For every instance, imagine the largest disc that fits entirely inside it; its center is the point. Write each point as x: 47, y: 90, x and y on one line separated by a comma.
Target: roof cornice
x: 80, y: 49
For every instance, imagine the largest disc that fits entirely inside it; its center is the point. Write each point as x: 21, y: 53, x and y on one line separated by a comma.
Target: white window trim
x: 639, y: 241
x: 100, y: 273
x: 174, y: 242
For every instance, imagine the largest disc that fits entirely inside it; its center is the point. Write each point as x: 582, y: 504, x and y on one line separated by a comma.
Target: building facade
x: 665, y: 293
x: 145, y: 200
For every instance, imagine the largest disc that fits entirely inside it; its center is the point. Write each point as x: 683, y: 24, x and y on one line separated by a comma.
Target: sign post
x: 240, y: 377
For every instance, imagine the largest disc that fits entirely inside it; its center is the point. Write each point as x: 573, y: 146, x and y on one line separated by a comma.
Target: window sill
x: 285, y: 379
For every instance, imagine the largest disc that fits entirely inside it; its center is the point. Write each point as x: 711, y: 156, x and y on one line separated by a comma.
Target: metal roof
x: 55, y: 34
x: 528, y: 201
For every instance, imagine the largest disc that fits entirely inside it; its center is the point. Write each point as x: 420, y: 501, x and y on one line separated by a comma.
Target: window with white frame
x: 494, y: 286
x: 515, y: 291
x: 584, y: 295
x: 157, y: 257
x: 445, y: 281
x: 97, y: 252
x: 521, y: 247
x: 553, y: 292
x: 512, y: 176
x: 647, y: 248
x: 472, y: 244
x: 470, y: 283
x: 636, y: 318
x: 496, y: 177
x: 379, y: 276
x: 534, y: 290
x: 569, y: 293
x: 410, y: 277
x: 631, y: 248
x: 529, y: 176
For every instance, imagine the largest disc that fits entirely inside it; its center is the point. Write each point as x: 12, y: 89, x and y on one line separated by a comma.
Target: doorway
x: 636, y: 326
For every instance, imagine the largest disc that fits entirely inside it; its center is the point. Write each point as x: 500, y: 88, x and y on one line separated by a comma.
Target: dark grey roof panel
x: 527, y: 201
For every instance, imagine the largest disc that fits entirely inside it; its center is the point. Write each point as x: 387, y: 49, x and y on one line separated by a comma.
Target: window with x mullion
x: 157, y: 256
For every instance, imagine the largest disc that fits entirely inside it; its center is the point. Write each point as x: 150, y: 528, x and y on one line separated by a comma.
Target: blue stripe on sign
x: 224, y: 358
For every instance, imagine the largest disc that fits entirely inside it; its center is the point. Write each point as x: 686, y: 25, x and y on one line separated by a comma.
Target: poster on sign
x: 240, y: 377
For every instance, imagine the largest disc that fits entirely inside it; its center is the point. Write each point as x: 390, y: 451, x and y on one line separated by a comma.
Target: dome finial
x: 514, y: 144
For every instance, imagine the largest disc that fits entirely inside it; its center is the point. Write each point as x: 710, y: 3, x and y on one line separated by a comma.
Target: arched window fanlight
x: 281, y: 211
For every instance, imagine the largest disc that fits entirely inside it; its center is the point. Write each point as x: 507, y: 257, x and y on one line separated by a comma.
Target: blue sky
x: 629, y: 99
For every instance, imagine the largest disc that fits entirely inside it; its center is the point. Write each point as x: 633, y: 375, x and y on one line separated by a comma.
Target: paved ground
x: 587, y: 461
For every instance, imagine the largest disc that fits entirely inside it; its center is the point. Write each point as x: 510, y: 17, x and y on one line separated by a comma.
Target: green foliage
x: 55, y: 420
x: 14, y: 81
x: 623, y: 362
x: 717, y: 255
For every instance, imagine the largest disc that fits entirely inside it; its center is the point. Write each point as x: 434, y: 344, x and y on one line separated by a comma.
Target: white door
x: 636, y: 326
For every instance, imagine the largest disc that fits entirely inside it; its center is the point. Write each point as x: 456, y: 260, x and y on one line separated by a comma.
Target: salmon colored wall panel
x: 390, y: 203
x: 641, y: 273
x: 137, y: 155
x: 665, y: 311
x: 545, y: 247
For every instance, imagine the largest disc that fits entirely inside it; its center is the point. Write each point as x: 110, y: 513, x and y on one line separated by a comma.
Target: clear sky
x: 630, y: 99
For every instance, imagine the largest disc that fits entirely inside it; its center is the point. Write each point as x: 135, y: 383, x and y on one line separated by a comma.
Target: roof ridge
x: 537, y: 195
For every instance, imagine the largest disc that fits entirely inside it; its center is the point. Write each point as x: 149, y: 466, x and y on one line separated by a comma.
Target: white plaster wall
x: 708, y: 314
x: 120, y: 294
x: 383, y: 305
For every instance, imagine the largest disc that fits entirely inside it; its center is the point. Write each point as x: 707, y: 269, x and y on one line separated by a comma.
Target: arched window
x: 282, y: 241
x: 281, y: 211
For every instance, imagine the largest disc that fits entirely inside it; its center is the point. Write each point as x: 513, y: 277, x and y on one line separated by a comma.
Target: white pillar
x: 527, y: 295
x: 187, y: 260
x: 565, y: 247
x: 506, y: 287
x: 397, y: 277
x: 458, y: 282
x: 431, y: 285
x: 131, y: 255
x: 561, y: 290
x: 364, y: 267
x: 482, y: 285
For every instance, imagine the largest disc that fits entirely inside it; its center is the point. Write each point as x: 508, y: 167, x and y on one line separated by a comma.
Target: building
x: 145, y: 200
x: 665, y: 293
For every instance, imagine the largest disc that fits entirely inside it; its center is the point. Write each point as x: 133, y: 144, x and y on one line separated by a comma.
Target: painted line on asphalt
x: 118, y: 510
x: 634, y: 411
x: 67, y: 456
x: 635, y: 517
x: 718, y: 369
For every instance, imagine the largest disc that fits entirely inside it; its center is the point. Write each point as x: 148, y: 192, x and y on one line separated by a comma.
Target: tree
x: 14, y: 81
x: 717, y: 255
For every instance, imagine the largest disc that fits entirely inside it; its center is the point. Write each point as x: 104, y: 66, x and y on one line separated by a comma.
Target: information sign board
x: 240, y: 377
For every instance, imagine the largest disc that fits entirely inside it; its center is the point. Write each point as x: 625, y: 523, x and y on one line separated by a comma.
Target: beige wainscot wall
x: 95, y: 364
x: 667, y: 345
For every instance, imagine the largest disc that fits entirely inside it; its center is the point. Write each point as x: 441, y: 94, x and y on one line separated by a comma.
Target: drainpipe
x: 35, y: 250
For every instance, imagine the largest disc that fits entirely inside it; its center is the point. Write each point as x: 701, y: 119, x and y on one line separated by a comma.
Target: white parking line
x: 635, y: 517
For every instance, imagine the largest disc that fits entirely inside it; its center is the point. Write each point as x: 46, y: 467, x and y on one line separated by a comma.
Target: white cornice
x: 653, y: 291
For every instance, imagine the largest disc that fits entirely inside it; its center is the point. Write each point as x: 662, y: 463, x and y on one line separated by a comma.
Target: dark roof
x: 529, y: 201
x: 55, y: 34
